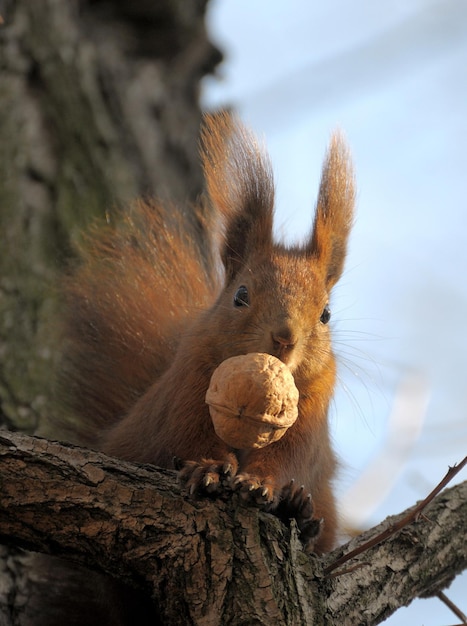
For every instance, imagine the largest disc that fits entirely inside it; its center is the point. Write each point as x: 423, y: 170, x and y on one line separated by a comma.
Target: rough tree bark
x: 98, y: 104
x: 216, y: 562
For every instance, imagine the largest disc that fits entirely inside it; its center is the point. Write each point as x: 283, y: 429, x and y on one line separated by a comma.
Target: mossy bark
x: 98, y: 104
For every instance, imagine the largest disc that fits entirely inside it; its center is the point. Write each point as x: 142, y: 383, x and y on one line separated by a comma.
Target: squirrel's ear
x: 334, y: 211
x: 240, y: 184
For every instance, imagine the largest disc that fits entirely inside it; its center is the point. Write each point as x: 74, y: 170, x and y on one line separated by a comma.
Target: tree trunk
x: 98, y: 104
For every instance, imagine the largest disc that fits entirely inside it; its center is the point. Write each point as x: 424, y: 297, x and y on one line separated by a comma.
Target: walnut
x: 252, y: 399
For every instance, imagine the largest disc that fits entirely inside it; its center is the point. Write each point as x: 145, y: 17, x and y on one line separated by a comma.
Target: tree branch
x: 412, y: 516
x: 418, y: 561
x: 212, y: 562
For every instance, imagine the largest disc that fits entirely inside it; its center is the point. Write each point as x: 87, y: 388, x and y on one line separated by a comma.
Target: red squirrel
x: 164, y: 296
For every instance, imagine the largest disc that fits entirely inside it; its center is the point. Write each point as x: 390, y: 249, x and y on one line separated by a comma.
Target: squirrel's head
x: 276, y: 298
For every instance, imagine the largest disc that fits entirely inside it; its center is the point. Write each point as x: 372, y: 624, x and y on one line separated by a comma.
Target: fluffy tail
x: 139, y: 286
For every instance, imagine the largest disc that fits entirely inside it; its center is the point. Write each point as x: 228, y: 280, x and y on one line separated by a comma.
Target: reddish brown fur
x: 150, y: 322
x: 126, y: 311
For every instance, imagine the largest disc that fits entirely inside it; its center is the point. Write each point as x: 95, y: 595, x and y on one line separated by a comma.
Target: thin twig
x: 405, y: 521
x: 454, y: 608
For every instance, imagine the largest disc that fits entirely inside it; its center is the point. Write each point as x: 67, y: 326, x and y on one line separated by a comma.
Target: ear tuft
x: 240, y: 184
x: 334, y: 210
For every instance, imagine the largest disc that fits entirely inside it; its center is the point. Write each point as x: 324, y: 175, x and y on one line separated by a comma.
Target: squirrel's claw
x: 254, y: 490
x: 208, y: 476
x: 296, y: 503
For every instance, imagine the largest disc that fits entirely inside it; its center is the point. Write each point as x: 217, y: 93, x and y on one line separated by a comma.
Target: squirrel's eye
x: 325, y: 315
x: 241, y: 297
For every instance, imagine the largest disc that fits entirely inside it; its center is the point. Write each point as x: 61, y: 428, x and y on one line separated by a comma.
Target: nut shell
x: 252, y: 400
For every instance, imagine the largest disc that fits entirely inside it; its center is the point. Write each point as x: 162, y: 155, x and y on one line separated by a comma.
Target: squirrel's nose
x: 283, y: 341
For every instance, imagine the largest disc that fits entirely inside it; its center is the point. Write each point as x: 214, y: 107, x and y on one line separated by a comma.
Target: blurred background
x: 392, y: 74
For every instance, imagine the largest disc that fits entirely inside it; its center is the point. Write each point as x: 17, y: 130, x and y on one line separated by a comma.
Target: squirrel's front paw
x: 208, y: 476
x: 255, y: 490
x: 296, y: 503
